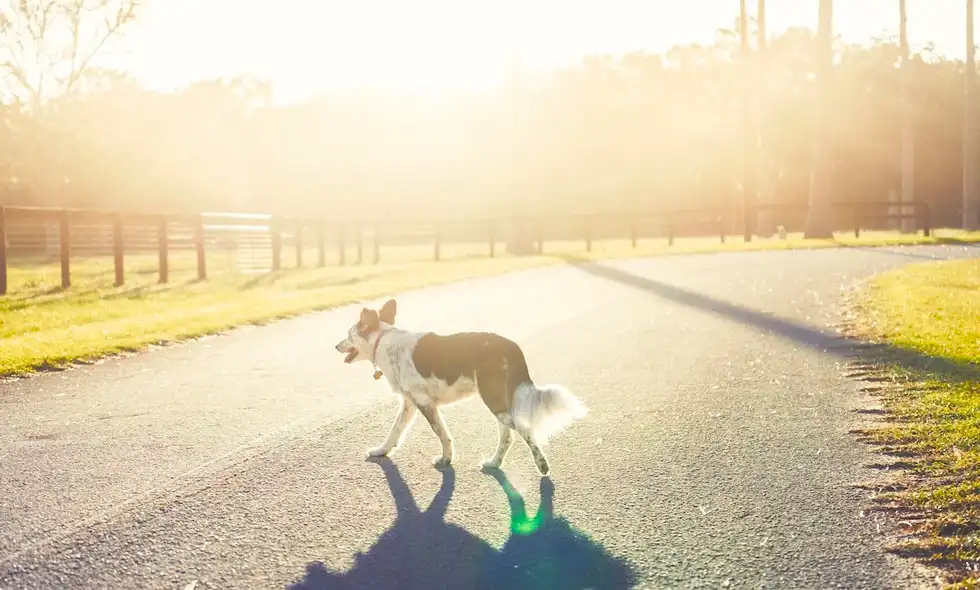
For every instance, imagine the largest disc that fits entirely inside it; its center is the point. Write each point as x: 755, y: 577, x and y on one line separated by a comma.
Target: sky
x: 310, y: 46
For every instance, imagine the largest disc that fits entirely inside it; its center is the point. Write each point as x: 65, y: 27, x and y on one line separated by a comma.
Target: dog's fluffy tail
x: 543, y: 411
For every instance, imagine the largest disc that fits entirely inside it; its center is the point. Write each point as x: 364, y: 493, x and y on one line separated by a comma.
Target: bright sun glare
x: 310, y: 46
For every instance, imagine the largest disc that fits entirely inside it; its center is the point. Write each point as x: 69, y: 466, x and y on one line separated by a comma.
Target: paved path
x: 716, y: 453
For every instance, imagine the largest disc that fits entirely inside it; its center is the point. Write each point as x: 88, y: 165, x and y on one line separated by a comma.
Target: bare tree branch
x: 125, y: 13
x: 47, y: 45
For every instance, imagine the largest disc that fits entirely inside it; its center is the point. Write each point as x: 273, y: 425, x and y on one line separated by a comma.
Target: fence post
x: 3, y: 252
x: 163, y: 247
x: 748, y: 221
x: 539, y: 230
x: 65, y: 239
x: 926, y: 220
x: 670, y: 230
x: 276, y: 238
x: 321, y: 243
x: 202, y: 263
x: 721, y: 231
x: 492, y: 238
x: 633, y: 233
x: 341, y: 243
x: 438, y: 243
x: 360, y: 242
x: 857, y: 222
x: 118, y: 249
x: 298, y: 242
x: 588, y: 234
x: 377, y: 244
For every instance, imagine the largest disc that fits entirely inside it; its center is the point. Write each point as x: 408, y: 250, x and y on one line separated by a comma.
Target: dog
x: 429, y: 370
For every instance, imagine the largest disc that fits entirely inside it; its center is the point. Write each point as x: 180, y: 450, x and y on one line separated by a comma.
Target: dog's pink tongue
x: 350, y: 356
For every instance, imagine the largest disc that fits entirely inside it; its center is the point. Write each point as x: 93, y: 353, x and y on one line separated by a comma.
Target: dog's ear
x: 388, y: 312
x: 369, y: 322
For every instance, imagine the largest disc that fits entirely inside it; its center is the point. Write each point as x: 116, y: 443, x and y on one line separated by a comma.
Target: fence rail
x: 257, y: 242
x: 856, y: 215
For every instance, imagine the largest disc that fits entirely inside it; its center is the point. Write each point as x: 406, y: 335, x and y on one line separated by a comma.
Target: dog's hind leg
x: 434, y: 416
x: 406, y: 415
x: 492, y: 383
x: 505, y: 437
x: 540, y: 461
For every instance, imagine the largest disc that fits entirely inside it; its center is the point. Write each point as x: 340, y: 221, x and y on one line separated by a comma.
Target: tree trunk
x: 908, y: 122
x: 519, y: 240
x: 819, y: 222
x: 766, y: 224
x: 750, y: 136
x: 971, y: 174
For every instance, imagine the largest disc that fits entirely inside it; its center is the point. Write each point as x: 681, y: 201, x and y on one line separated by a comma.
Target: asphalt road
x: 716, y: 453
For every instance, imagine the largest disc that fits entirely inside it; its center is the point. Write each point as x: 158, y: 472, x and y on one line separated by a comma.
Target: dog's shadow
x: 421, y: 550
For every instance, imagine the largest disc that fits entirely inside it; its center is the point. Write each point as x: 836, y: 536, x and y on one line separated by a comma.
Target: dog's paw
x: 442, y: 462
x: 377, y: 452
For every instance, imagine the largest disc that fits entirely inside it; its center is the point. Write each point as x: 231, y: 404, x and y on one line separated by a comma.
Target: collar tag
x: 374, y: 354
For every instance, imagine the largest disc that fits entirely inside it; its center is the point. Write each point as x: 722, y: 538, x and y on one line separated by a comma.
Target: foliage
x: 46, y: 52
x: 642, y: 131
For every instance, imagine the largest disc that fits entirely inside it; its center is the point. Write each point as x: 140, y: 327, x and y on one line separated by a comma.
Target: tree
x: 971, y: 168
x: 46, y: 49
x: 764, y: 220
x: 819, y: 223
x: 640, y: 133
x: 907, y: 114
x: 750, y: 134
x: 46, y: 46
x: 519, y: 242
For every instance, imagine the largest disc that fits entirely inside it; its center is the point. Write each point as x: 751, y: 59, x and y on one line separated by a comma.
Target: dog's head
x: 362, y: 336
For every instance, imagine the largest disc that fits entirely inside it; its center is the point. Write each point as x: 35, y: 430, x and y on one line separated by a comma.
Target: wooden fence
x: 849, y: 215
x: 62, y: 233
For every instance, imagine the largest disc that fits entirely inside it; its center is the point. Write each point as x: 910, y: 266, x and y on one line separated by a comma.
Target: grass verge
x: 928, y: 379
x: 42, y: 326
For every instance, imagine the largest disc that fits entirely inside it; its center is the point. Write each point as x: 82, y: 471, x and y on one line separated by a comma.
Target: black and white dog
x: 430, y: 370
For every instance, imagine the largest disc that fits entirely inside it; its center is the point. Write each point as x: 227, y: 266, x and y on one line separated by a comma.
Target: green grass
x: 931, y: 308
x: 42, y: 326
x: 930, y: 314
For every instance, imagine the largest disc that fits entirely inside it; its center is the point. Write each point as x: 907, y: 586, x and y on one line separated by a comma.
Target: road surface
x: 716, y: 453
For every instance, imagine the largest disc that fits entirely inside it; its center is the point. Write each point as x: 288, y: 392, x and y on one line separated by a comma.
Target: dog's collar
x: 374, y: 354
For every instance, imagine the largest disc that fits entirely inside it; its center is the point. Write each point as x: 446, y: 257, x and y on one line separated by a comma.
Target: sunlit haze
x: 308, y: 46
x: 315, y: 106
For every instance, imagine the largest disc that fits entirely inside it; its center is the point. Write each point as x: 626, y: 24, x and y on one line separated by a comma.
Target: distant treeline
x: 641, y: 132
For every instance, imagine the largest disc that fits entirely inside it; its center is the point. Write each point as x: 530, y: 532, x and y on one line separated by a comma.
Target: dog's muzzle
x: 350, y: 350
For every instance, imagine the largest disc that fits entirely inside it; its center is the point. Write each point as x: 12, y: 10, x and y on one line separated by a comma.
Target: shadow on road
x: 422, y: 551
x: 792, y: 330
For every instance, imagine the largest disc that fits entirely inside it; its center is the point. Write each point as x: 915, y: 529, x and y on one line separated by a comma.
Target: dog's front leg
x: 406, y: 415
x: 434, y: 416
